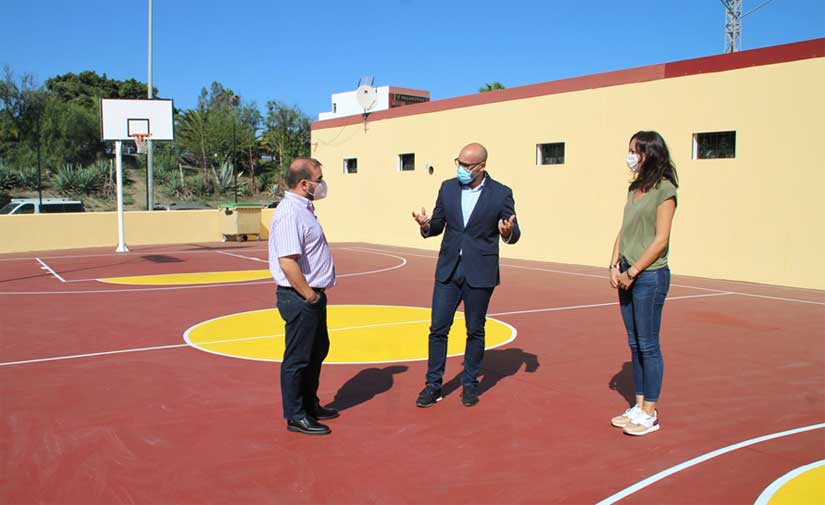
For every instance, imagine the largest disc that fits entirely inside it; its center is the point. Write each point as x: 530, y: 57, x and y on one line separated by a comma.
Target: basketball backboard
x: 122, y: 119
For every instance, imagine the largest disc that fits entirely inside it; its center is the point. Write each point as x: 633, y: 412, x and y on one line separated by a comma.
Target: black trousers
x: 446, y: 298
x: 307, y: 344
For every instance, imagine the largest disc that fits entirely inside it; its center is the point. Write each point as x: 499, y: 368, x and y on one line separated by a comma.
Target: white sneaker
x: 626, y: 418
x: 643, y: 424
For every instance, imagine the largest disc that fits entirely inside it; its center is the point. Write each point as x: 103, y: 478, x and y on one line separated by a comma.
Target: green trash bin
x: 240, y: 220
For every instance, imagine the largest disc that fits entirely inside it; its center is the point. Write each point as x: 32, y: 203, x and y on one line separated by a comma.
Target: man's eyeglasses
x: 467, y: 165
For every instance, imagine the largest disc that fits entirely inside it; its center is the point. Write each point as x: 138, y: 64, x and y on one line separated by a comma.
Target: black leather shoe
x: 469, y: 396
x: 322, y: 414
x: 307, y: 426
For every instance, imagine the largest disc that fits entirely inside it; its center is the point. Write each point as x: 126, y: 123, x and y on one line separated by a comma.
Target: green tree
x: 491, y: 86
x: 205, y: 133
x: 249, y: 122
x: 70, y: 119
x: 286, y: 135
x: 191, y: 136
x: 21, y: 105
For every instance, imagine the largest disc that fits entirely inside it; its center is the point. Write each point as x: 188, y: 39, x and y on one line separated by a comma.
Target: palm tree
x: 191, y: 136
x: 491, y: 86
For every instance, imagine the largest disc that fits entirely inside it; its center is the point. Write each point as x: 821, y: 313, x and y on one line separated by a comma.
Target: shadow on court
x: 497, y: 364
x: 622, y: 383
x: 365, y: 385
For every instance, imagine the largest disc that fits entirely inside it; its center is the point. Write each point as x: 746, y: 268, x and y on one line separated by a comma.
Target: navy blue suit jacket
x: 478, y: 242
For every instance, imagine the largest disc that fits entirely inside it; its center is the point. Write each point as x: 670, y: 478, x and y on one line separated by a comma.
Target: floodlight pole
x: 39, y: 169
x: 150, y: 197
x: 234, y: 101
x: 121, y: 242
x: 234, y: 158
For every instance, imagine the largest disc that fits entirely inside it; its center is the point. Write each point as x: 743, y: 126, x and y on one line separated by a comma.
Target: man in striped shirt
x: 301, y: 264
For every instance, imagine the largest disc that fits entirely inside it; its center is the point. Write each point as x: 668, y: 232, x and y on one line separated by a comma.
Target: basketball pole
x: 150, y: 196
x: 121, y: 242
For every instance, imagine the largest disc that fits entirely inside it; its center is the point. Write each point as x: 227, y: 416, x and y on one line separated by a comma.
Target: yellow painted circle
x: 191, y: 278
x: 357, y: 333
x: 807, y: 487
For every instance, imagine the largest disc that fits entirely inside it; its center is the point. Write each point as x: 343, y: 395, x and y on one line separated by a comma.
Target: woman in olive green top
x: 638, y: 268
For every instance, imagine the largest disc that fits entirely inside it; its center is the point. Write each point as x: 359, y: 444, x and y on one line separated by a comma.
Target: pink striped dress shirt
x: 295, y: 230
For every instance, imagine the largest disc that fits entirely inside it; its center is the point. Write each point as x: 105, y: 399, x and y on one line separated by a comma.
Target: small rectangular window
x: 550, y: 154
x: 714, y: 145
x: 406, y: 161
x: 350, y: 165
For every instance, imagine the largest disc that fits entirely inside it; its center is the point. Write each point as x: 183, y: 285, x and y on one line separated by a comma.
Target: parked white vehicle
x: 48, y: 206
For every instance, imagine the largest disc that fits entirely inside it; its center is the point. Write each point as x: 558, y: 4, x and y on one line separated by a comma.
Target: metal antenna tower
x: 733, y: 23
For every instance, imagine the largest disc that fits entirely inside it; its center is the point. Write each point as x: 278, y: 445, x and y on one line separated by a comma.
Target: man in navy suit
x: 475, y: 211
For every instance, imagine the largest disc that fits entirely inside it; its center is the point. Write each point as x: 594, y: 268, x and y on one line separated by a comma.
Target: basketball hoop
x: 141, y: 141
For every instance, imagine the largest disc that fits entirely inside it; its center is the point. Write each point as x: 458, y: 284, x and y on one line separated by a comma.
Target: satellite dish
x: 366, y: 94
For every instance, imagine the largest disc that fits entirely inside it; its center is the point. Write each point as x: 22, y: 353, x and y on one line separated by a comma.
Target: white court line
x: 771, y: 490
x: 47, y: 267
x: 345, y: 328
x: 186, y: 333
x: 573, y: 307
x: 132, y: 252
x: 403, y: 262
x: 133, y: 290
x: 242, y: 256
x: 777, y: 298
x: 563, y: 272
x: 604, y: 277
x: 208, y: 342
x: 196, y: 286
x: 701, y: 459
x: 56, y: 358
x: 380, y: 251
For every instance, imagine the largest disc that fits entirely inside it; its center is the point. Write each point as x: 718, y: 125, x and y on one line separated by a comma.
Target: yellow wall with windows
x: 753, y: 218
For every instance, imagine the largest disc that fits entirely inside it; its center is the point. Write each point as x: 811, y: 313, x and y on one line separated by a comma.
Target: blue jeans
x: 446, y: 298
x: 641, y: 307
x: 307, y: 344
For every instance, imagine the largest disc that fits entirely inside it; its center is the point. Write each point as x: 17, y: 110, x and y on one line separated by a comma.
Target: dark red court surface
x: 164, y: 423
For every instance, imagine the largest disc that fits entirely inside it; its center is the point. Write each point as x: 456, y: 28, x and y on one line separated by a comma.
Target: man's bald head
x: 301, y: 169
x: 473, y: 153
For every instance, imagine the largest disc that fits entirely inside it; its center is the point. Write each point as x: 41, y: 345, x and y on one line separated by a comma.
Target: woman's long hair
x: 657, y: 164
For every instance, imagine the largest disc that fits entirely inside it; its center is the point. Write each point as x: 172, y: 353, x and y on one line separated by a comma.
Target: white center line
x: 396, y: 323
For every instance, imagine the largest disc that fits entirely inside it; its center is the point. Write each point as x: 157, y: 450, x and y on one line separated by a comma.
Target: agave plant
x: 176, y: 188
x: 67, y: 179
x: 224, y: 179
x: 201, y: 189
x: 27, y: 177
x: 162, y: 173
x: 90, y: 180
x: 8, y: 179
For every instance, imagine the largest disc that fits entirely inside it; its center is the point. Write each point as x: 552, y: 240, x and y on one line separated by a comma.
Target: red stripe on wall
x: 755, y: 57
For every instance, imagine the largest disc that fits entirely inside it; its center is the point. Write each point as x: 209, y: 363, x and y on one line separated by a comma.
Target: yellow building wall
x: 753, y: 218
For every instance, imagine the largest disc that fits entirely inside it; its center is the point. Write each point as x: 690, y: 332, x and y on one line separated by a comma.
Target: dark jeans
x: 446, y: 298
x: 307, y: 344
x: 642, y: 307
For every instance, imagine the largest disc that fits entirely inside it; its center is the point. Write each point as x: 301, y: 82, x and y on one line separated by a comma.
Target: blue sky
x: 300, y: 52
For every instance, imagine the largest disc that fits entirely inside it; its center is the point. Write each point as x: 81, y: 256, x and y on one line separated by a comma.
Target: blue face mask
x: 464, y: 176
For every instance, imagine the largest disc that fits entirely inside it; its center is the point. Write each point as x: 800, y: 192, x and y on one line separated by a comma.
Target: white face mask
x: 320, y: 191
x: 632, y: 161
